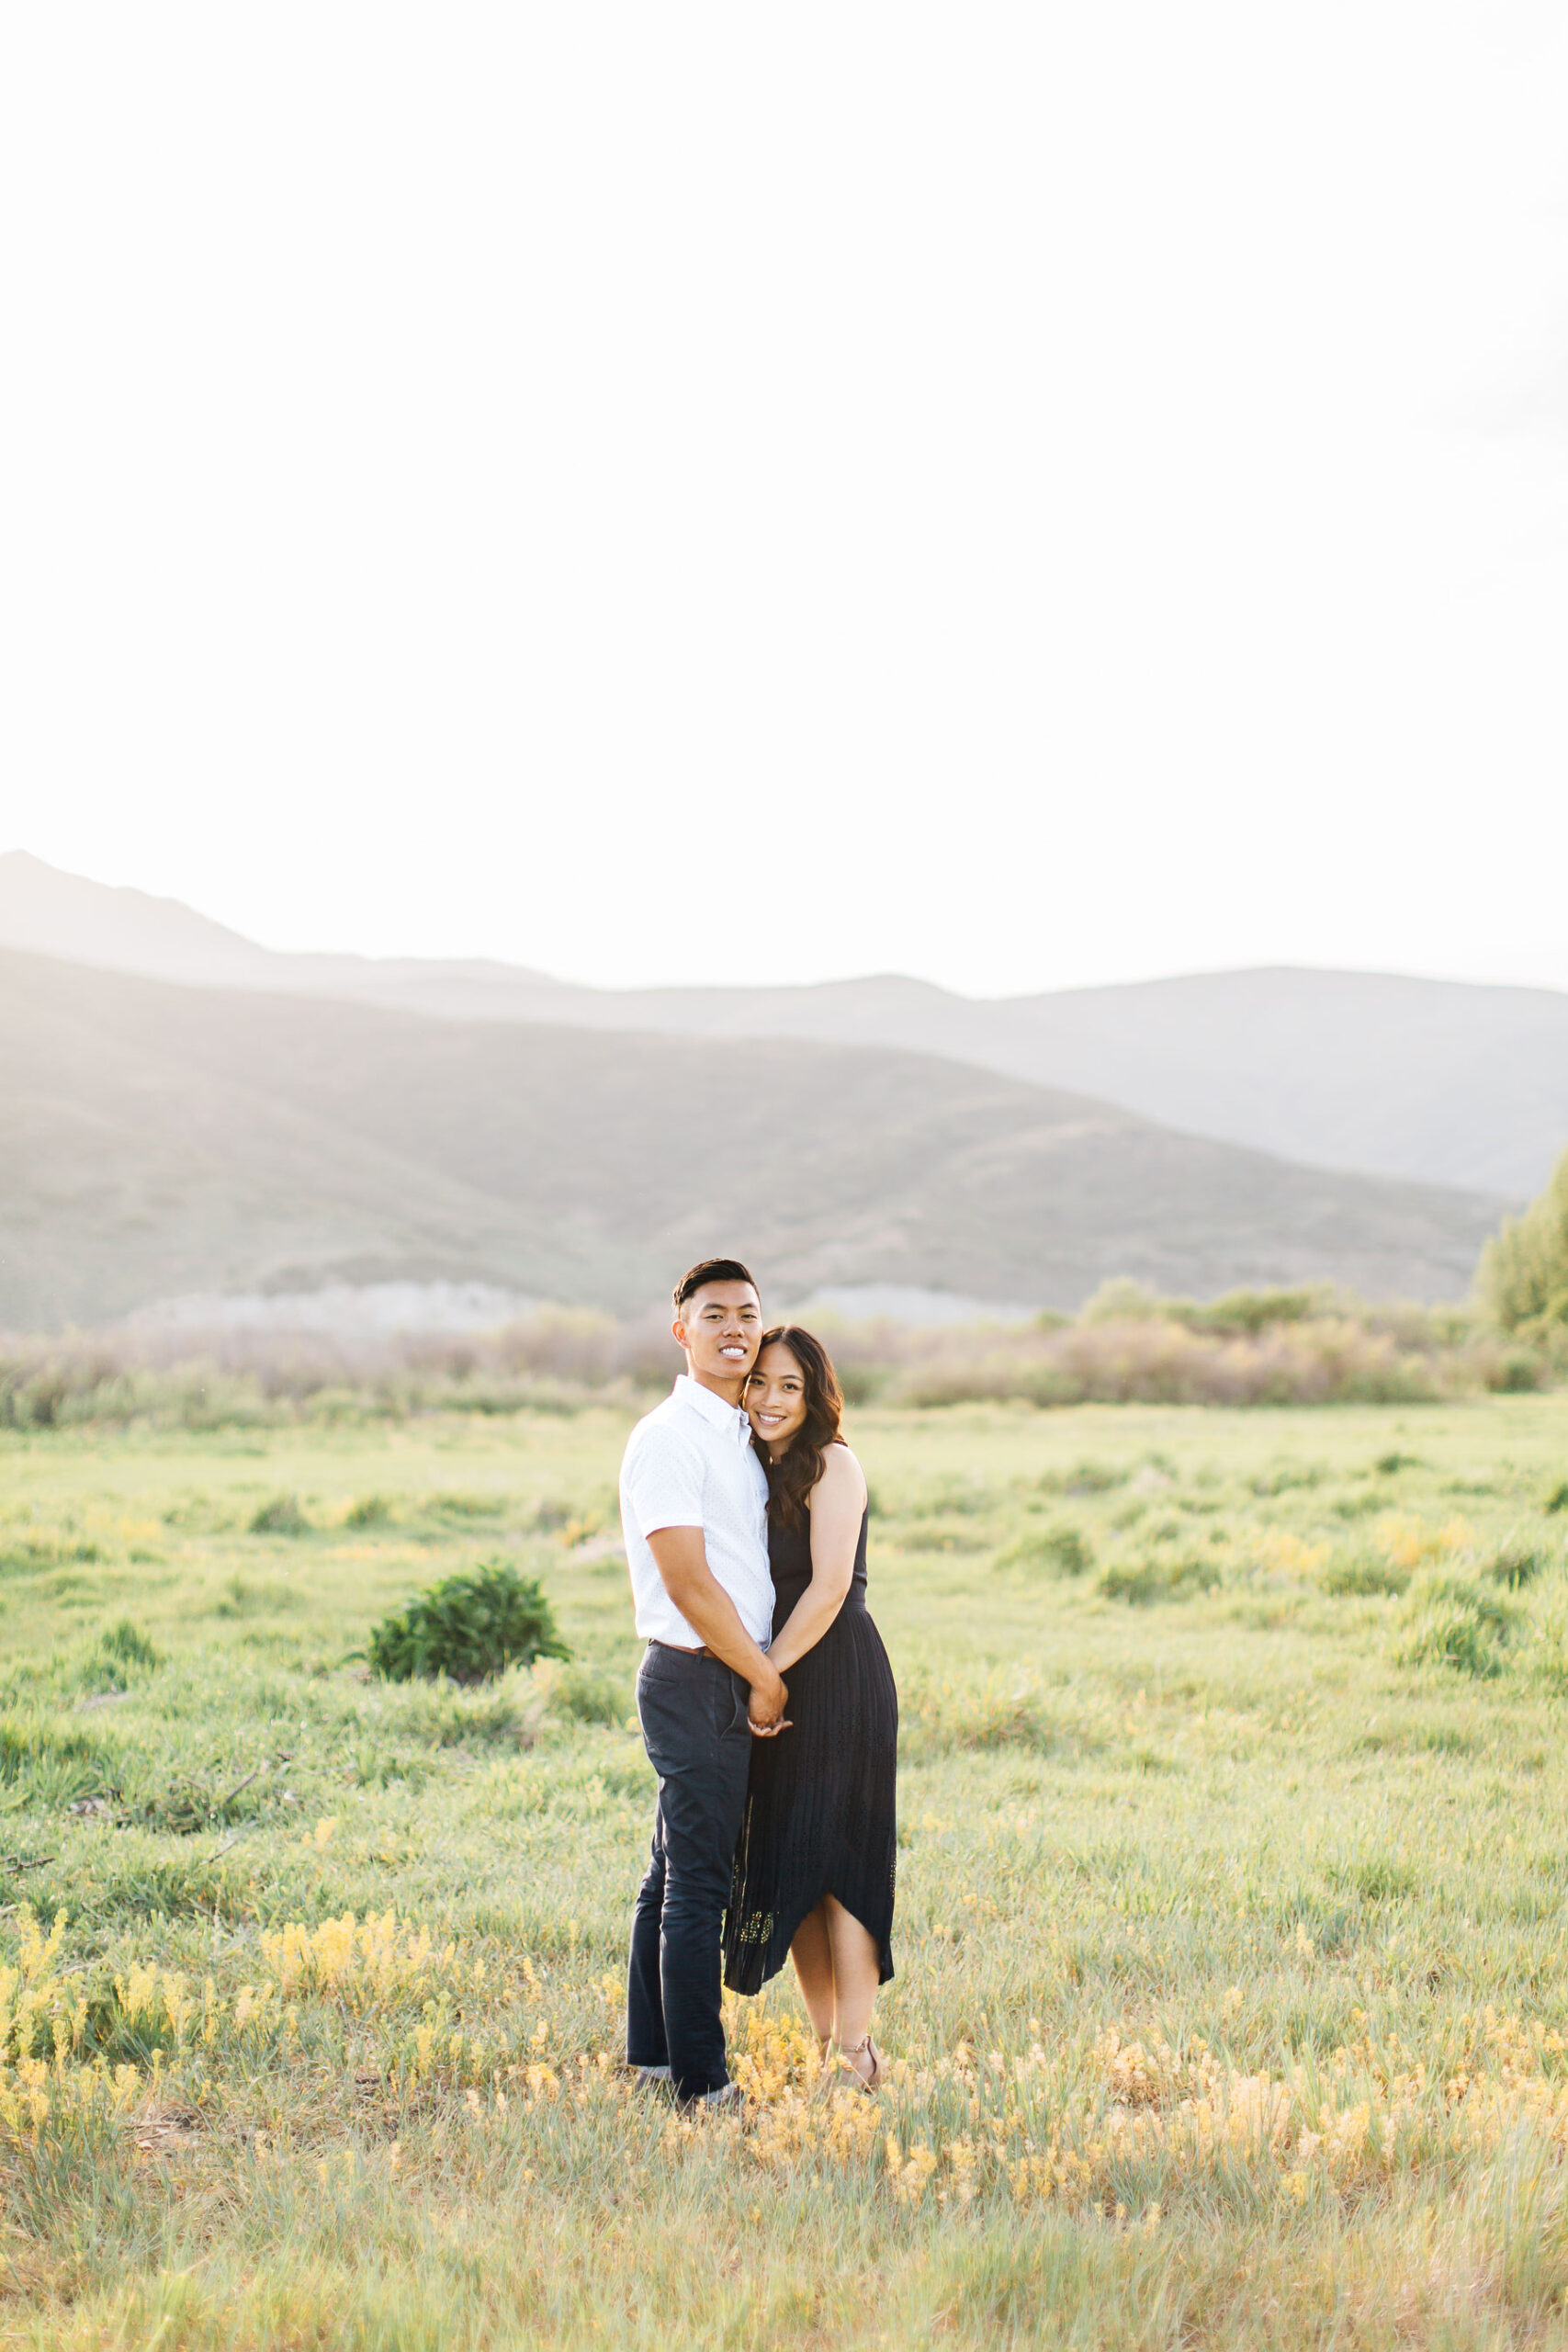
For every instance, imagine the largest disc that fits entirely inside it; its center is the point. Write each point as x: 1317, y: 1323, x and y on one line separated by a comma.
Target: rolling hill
x: 1438, y: 1081
x: 159, y: 1138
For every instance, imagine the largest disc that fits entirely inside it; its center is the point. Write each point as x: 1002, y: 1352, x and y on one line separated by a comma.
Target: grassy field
x: 1233, y: 1991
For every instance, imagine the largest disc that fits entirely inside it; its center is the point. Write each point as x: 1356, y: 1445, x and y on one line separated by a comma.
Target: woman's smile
x: 776, y: 1396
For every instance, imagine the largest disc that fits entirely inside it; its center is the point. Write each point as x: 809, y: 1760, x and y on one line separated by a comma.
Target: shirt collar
x: 712, y: 1408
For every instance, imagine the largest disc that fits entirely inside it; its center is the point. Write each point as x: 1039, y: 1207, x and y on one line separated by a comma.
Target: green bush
x: 1246, y: 1313
x: 370, y: 1510
x: 1122, y: 1300
x: 468, y: 1627
x: 1061, y: 1550
x: 1454, y: 1620
x: 280, y: 1515
x: 1523, y: 1275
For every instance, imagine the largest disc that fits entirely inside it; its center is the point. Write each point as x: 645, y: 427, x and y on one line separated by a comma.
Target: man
x: 694, y: 1513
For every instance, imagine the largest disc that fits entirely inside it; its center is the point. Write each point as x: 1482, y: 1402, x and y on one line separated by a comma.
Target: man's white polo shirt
x: 691, y: 1462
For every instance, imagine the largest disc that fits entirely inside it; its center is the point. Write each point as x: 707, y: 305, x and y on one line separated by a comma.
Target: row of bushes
x: 1303, y: 1346
x: 1331, y: 1359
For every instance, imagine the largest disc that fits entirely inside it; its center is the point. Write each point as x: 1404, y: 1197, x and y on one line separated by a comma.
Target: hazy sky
x: 1023, y: 494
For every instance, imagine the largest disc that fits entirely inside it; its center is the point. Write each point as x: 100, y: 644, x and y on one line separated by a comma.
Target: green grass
x: 1232, y: 2004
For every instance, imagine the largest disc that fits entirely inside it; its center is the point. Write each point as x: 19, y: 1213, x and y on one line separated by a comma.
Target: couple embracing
x: 766, y: 1698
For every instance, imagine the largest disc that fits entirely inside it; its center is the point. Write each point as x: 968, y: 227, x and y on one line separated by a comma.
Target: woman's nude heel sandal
x: 867, y: 2082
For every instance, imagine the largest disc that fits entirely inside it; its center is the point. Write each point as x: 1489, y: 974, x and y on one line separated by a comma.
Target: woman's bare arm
x: 838, y: 1505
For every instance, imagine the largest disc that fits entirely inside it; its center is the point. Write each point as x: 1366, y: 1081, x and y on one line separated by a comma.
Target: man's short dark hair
x: 712, y: 1270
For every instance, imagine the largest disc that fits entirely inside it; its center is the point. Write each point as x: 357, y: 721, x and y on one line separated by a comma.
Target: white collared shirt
x: 691, y: 1462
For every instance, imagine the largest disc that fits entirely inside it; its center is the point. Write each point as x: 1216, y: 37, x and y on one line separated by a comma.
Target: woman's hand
x: 765, y: 1710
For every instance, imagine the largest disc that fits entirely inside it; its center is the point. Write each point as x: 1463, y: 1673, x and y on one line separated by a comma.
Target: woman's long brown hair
x: 790, y: 1482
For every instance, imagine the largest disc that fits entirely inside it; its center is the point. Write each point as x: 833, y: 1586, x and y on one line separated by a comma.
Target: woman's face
x: 776, y: 1398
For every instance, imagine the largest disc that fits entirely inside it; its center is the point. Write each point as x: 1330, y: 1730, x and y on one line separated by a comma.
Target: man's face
x: 720, y: 1327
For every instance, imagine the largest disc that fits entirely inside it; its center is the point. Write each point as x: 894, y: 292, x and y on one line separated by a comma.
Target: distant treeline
x: 1313, y: 1345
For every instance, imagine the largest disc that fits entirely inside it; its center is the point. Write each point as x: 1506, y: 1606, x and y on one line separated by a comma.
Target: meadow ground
x: 1233, y: 1992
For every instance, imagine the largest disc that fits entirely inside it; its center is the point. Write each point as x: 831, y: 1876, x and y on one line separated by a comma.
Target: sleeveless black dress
x: 819, y: 1804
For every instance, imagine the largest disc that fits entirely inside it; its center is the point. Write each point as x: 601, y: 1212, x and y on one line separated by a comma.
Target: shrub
x: 279, y: 1516
x: 370, y: 1510
x: 469, y: 1627
x: 992, y: 1375
x: 1312, y: 1344
x: 1244, y: 1313
x: 1557, y: 1499
x: 1454, y: 1620
x: 1122, y: 1300
x: 1061, y: 1550
x: 1523, y: 1275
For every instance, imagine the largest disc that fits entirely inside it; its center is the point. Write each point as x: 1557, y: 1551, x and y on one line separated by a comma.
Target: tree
x: 1523, y: 1275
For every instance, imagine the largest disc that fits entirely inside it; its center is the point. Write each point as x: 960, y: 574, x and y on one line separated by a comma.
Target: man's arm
x: 681, y: 1558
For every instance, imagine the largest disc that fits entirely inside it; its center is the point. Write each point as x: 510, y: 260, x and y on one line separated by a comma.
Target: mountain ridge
x: 162, y: 1139
x: 1436, y: 1082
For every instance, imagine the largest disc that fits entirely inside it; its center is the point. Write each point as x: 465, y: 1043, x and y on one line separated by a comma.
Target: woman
x: 815, y: 1865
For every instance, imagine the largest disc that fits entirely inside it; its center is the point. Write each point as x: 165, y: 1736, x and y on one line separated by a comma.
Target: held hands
x: 766, y: 1708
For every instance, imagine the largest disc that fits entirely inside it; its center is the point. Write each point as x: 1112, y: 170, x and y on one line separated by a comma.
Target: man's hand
x: 766, y: 1707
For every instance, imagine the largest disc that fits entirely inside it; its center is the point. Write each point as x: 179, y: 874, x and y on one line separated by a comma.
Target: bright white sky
x: 1023, y: 493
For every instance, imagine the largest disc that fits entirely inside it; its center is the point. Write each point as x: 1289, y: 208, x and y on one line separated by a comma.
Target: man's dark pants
x: 693, y: 1715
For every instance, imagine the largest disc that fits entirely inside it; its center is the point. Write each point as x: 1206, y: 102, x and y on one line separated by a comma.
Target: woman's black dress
x: 819, y: 1806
